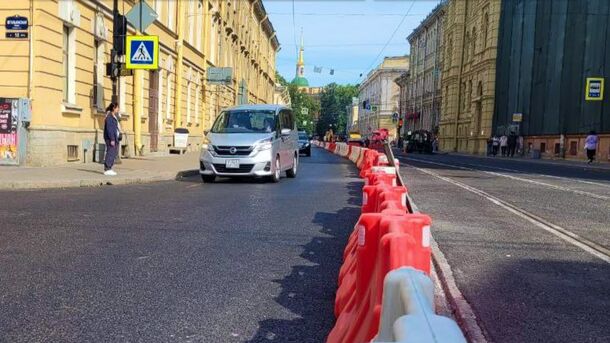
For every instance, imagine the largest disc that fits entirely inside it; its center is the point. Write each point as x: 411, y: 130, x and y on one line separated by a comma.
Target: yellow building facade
x: 61, y: 67
x: 469, y: 74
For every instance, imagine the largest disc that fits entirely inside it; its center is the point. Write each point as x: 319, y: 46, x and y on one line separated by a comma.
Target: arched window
x: 485, y: 28
x: 474, y: 42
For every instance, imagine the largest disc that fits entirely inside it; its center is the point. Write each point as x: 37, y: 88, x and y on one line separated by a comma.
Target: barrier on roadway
x: 384, y: 293
x: 408, y: 311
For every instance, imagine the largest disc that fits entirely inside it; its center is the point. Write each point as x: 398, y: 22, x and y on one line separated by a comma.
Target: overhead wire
x: 391, y: 37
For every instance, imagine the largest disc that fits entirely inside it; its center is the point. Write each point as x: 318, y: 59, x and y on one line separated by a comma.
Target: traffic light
x: 119, y: 32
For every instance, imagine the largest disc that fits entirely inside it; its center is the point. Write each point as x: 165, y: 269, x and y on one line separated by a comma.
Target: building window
x: 98, y: 75
x: 197, y: 103
x: 168, y: 97
x: 171, y: 13
x: 158, y: 5
x: 191, y: 14
x: 188, y: 102
x: 199, y: 25
x: 485, y: 28
x: 68, y: 55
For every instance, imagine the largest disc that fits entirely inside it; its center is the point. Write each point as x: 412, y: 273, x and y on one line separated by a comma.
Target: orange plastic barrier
x: 384, y: 242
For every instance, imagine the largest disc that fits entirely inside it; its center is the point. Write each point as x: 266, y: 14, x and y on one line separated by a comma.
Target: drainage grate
x: 72, y: 153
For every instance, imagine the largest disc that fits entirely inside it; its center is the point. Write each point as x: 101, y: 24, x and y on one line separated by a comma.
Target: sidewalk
x: 602, y: 166
x: 133, y: 170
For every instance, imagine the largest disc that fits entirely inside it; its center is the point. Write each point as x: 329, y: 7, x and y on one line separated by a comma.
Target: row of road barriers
x: 385, y: 293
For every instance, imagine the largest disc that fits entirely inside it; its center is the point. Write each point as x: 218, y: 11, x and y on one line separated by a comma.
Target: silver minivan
x: 251, y: 140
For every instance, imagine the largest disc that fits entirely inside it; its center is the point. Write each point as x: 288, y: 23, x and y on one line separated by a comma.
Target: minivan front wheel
x: 277, y: 171
x: 292, y: 172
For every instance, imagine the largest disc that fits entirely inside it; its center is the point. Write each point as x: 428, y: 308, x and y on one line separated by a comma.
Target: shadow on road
x: 309, y: 290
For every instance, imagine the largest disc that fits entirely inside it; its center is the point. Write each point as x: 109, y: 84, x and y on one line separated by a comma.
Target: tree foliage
x: 333, y: 107
x: 300, y: 101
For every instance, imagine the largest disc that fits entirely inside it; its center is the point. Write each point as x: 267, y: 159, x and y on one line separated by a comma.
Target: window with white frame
x: 168, y: 97
x: 190, y: 15
x: 98, y: 74
x: 158, y: 6
x: 197, y: 102
x: 69, y: 70
x: 188, y: 101
x: 171, y: 13
x: 199, y: 25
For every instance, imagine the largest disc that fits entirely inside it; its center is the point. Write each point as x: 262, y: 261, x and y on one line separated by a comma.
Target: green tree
x: 301, y: 101
x: 280, y: 79
x: 333, y: 107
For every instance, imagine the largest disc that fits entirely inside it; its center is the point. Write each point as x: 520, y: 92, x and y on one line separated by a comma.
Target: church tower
x: 299, y: 79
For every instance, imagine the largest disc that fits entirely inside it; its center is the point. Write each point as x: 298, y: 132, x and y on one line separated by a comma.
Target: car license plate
x: 232, y: 164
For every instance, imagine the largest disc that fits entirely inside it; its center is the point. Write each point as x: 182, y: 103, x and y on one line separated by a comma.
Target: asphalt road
x: 525, y: 284
x: 235, y: 261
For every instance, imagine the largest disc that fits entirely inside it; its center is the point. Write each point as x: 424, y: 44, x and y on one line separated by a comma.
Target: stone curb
x: 33, y: 185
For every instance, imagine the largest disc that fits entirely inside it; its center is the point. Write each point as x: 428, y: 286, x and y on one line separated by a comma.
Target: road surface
x: 527, y: 242
x: 237, y: 261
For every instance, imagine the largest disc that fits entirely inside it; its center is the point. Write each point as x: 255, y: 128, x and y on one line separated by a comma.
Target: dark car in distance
x: 304, y: 144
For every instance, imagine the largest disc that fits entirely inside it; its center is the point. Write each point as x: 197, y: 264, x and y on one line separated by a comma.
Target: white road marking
x: 533, y: 174
x: 568, y: 236
x: 561, y: 188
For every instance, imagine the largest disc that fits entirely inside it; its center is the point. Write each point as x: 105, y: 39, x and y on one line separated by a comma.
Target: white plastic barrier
x: 353, y: 156
x: 407, y: 312
x: 341, y: 149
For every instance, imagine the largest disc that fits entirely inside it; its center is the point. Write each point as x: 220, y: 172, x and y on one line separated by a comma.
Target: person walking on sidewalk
x: 111, y: 137
x: 591, y: 146
x: 495, y: 144
x: 512, y: 144
x: 504, y: 145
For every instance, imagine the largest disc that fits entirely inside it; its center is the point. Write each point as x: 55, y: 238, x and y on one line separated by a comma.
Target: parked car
x: 251, y: 140
x: 304, y: 144
x: 419, y: 141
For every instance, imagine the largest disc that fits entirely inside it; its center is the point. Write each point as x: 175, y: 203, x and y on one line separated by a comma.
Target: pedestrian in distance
x: 520, y: 149
x: 504, y: 145
x: 591, y: 146
x: 512, y: 144
x: 111, y: 137
x: 495, y: 144
x: 489, y: 145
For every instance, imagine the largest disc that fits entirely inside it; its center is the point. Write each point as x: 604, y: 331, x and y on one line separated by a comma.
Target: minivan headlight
x: 265, y: 144
x: 205, y: 144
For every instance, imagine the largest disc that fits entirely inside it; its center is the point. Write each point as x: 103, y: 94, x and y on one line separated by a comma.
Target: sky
x: 345, y: 35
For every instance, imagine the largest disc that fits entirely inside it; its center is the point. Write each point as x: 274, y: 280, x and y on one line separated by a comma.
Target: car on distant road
x: 251, y: 140
x: 304, y: 143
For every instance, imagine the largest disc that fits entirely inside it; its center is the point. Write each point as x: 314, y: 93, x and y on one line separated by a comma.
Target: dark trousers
x: 111, y: 152
x: 503, y: 148
x: 591, y: 154
x: 494, y: 150
x: 511, y: 150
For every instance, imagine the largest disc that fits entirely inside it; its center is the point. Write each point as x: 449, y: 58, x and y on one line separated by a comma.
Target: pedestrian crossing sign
x: 142, y: 52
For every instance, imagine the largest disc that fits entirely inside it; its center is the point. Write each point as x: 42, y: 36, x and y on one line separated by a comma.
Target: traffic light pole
x: 113, y: 54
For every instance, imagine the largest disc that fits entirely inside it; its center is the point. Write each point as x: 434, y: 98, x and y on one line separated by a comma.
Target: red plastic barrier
x: 369, y: 161
x: 384, y: 242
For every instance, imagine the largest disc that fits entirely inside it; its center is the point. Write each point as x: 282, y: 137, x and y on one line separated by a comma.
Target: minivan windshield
x: 245, y: 121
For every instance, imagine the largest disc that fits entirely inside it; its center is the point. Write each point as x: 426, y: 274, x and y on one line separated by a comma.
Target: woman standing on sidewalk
x: 111, y: 137
x: 591, y: 146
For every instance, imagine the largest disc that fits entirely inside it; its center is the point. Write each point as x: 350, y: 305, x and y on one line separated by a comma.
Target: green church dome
x: 300, y: 81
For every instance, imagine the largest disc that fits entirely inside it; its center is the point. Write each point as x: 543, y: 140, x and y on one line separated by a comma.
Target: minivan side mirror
x: 205, y: 132
x: 285, y: 132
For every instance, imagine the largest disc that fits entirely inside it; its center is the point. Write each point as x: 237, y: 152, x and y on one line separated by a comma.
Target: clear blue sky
x: 346, y: 35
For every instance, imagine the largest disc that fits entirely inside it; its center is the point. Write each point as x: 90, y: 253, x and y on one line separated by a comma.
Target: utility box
x: 181, y: 138
x: 15, y: 117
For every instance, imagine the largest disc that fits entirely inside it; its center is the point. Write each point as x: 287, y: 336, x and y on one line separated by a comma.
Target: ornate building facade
x: 469, y: 74
x: 379, y: 94
x: 60, y: 67
x: 421, y: 87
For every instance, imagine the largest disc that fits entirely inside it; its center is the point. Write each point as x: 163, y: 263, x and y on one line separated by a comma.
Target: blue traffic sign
x: 142, y: 52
